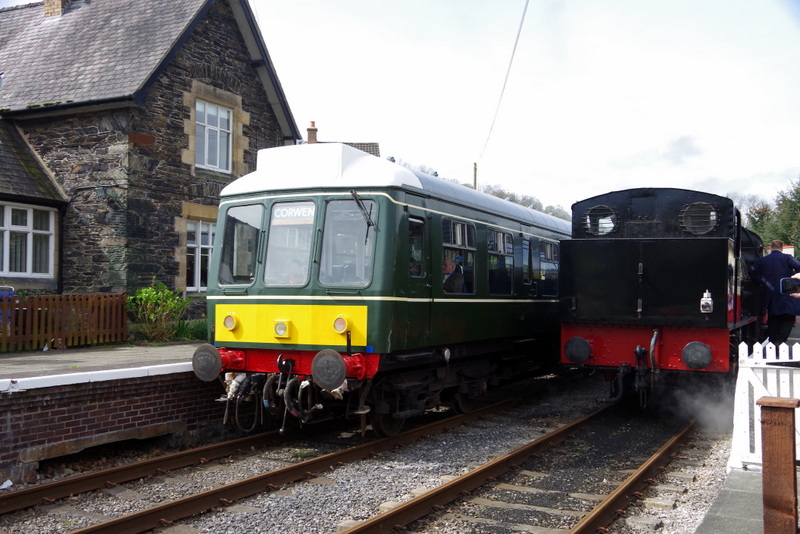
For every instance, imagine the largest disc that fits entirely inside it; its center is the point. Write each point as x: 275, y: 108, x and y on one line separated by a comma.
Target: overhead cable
x: 505, y: 82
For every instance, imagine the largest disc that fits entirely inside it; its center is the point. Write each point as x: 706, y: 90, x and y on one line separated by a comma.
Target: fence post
x: 779, y: 479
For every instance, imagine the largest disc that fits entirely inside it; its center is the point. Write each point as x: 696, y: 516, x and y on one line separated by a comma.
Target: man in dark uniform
x: 781, y: 309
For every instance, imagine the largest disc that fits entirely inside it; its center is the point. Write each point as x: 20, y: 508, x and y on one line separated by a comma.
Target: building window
x: 27, y: 243
x: 199, y: 242
x: 213, y: 131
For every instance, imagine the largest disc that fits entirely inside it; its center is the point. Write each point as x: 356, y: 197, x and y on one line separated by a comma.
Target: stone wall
x: 126, y: 172
x: 47, y: 423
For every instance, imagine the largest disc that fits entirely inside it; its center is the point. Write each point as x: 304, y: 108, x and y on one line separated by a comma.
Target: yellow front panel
x: 308, y: 324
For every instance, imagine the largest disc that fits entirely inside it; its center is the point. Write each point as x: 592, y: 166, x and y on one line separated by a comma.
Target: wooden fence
x: 60, y: 321
x: 764, y: 371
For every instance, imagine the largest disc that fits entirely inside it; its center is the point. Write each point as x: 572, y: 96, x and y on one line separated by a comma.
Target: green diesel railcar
x: 343, y: 282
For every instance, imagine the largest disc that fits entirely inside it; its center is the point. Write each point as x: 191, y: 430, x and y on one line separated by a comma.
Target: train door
x: 419, y: 279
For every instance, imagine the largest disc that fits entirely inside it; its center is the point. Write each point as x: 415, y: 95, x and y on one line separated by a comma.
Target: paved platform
x: 28, y: 370
x: 738, y: 508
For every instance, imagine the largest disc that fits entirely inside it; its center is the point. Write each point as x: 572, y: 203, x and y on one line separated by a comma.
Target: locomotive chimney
x: 312, y: 133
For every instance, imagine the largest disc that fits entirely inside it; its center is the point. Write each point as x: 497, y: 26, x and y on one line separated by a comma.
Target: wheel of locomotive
x: 386, y: 425
x: 463, y: 403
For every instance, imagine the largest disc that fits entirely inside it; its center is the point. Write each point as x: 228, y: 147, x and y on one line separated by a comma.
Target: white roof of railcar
x: 319, y: 165
x: 336, y: 165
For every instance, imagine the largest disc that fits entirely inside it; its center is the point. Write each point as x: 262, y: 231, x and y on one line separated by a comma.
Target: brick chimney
x: 55, y: 8
x: 312, y: 133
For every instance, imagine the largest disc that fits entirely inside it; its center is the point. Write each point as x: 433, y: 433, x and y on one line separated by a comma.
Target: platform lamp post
x: 779, y: 479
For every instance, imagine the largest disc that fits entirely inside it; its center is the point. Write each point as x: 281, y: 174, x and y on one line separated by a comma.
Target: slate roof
x: 96, y: 50
x: 101, y: 51
x: 22, y: 177
x: 369, y: 148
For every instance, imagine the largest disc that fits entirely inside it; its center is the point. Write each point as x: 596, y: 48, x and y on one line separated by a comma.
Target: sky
x: 600, y: 96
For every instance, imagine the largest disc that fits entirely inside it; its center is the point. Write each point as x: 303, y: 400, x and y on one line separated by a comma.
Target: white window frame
x: 28, y: 230
x: 201, y: 228
x: 209, y: 134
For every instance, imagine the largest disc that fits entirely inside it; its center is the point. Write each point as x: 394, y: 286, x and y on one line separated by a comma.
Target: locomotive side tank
x: 655, y: 283
x: 327, y: 292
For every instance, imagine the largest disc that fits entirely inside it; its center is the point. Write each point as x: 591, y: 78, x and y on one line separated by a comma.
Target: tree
x: 558, y: 211
x: 759, y: 219
x: 525, y: 200
x: 757, y: 214
x: 781, y: 221
x: 787, y: 215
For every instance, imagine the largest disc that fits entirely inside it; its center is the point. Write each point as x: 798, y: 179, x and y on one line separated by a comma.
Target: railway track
x: 217, y: 497
x: 514, y: 494
x: 597, y: 449
x: 464, y: 498
x: 53, y: 491
x: 228, y: 494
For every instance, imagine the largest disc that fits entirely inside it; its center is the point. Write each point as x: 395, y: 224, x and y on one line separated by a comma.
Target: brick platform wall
x: 47, y: 423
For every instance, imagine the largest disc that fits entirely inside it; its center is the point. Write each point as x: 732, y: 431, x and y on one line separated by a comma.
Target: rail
x: 58, y: 321
x: 165, y: 514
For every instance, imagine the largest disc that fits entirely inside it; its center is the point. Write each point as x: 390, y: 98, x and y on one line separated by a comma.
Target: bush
x: 157, y: 311
x: 193, y: 330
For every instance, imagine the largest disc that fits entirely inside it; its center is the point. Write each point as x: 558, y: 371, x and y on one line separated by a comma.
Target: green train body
x: 327, y: 292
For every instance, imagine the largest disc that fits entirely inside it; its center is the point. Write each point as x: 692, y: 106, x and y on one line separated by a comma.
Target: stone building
x: 120, y: 122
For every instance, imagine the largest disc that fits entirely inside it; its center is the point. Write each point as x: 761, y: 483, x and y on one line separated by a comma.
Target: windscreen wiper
x: 367, y: 214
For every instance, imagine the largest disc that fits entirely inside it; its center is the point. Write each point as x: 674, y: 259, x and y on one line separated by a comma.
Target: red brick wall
x: 46, y: 423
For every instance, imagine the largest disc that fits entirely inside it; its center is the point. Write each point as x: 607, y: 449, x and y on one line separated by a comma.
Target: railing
x: 60, y: 321
x: 764, y: 371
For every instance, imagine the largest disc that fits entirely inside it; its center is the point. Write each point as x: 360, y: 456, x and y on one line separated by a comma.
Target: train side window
x: 527, y: 275
x: 459, y: 240
x: 416, y: 248
x: 548, y: 264
x: 500, y: 246
x: 240, y: 244
x: 291, y: 230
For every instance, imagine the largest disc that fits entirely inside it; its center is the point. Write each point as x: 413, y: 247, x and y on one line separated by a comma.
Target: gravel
x: 357, y: 491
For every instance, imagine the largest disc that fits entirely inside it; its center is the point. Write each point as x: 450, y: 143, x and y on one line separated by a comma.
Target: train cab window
x: 458, y: 239
x: 600, y: 220
x: 500, y: 246
x: 699, y: 218
x: 416, y: 248
x: 239, y: 244
x: 548, y: 262
x: 291, y: 230
x: 348, y: 243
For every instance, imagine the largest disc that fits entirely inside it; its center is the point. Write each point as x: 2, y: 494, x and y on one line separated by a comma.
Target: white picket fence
x: 766, y: 371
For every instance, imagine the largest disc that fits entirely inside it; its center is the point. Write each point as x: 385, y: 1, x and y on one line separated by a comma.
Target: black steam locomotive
x: 654, y: 284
